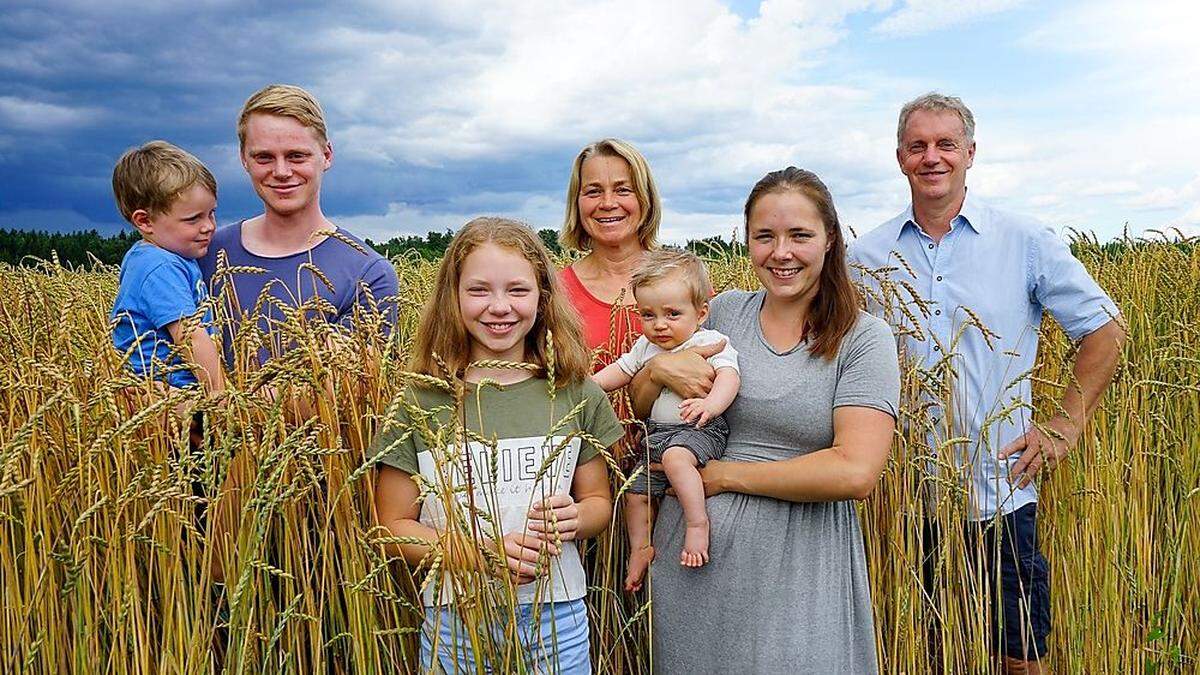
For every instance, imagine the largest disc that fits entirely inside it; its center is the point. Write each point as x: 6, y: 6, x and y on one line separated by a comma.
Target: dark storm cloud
x: 81, y: 83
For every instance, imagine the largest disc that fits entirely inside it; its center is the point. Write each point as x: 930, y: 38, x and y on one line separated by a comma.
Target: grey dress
x: 786, y: 588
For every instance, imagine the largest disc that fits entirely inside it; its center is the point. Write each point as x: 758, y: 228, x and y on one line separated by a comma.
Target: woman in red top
x: 613, y: 212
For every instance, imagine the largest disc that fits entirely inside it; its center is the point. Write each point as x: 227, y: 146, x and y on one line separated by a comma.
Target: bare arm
x: 642, y: 392
x: 724, y: 390
x: 1095, y: 363
x: 396, y: 503
x: 686, y: 373
x: 198, y: 347
x: 593, y: 496
x: 849, y: 469
x: 611, y: 377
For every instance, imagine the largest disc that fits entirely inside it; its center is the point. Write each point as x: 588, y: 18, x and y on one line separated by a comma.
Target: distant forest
x: 76, y: 249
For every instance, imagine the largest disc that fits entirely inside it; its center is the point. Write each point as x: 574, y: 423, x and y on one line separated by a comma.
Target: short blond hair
x: 152, y: 177
x: 667, y: 263
x: 284, y: 100
x: 935, y: 102
x: 573, y: 235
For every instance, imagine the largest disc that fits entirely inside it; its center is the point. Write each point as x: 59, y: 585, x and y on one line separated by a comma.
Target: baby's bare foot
x: 695, y: 545
x: 639, y: 563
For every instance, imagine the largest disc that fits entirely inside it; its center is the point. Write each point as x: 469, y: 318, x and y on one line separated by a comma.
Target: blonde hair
x: 441, y: 333
x: 573, y: 235
x: 284, y: 100
x: 153, y: 176
x: 669, y: 263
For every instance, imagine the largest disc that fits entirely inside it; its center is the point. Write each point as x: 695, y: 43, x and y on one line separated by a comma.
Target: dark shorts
x: 1021, y: 616
x: 706, y: 443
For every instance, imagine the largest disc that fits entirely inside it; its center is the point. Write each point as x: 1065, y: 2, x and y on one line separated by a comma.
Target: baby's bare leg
x: 680, y: 466
x: 639, y: 515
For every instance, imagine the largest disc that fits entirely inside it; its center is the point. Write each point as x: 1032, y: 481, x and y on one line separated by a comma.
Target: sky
x: 1087, y: 113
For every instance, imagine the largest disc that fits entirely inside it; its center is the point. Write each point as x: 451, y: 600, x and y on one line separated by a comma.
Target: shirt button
x: 936, y: 348
x: 931, y: 247
x: 937, y: 312
x: 939, y: 278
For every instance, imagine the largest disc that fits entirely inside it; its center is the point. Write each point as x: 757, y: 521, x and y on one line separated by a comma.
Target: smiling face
x: 787, y: 244
x: 186, y: 228
x: 934, y: 155
x: 608, y: 205
x: 668, y: 314
x: 285, y: 160
x: 498, y: 301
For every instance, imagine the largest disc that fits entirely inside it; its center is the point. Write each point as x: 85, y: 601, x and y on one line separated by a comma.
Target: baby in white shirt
x: 672, y: 291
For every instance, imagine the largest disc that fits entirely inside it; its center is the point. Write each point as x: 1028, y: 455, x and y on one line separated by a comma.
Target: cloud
x: 1144, y: 51
x: 661, y: 72
x: 19, y: 113
x: 439, y: 112
x: 917, y: 17
x: 401, y: 219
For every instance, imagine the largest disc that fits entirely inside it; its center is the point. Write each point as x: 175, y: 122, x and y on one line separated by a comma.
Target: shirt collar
x: 971, y: 213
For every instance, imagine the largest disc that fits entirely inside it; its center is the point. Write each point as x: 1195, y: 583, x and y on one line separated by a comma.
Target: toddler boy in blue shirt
x: 171, y: 198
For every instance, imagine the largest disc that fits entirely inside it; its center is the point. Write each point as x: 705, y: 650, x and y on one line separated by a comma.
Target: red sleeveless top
x: 612, y: 332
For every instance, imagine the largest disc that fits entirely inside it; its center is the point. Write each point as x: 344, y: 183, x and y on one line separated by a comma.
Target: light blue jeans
x: 556, y: 643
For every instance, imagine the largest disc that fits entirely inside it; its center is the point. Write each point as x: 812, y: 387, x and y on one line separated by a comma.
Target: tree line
x: 82, y: 249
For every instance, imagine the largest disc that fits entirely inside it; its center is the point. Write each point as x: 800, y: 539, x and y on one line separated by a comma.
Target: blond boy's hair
x: 573, y: 235
x: 152, y: 177
x: 674, y: 264
x: 284, y: 100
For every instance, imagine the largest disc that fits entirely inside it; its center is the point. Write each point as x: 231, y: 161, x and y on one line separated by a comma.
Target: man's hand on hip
x: 1040, y: 450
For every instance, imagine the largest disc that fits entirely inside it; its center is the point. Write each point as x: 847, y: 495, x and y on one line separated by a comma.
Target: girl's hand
x: 522, y: 550
x: 554, y: 520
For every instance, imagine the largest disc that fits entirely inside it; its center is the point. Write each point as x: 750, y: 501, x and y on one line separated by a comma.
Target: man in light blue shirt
x: 965, y: 285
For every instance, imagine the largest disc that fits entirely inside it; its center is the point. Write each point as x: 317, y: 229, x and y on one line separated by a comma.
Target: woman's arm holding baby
x: 686, y: 373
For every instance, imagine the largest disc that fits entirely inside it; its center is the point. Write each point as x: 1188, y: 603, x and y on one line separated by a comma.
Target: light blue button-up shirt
x: 1005, y: 269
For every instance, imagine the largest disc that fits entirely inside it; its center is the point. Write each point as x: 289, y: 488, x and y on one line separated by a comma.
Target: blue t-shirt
x: 349, y: 274
x: 157, y: 288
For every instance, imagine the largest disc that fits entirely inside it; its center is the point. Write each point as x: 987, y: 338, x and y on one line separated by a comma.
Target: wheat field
x: 128, y: 547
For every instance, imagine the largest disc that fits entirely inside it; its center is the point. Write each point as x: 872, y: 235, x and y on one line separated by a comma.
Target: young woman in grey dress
x: 786, y: 588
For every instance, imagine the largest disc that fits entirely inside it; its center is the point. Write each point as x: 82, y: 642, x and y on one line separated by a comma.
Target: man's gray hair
x: 936, y: 102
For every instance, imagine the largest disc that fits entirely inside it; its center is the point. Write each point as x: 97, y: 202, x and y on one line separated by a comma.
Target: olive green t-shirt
x: 512, y: 460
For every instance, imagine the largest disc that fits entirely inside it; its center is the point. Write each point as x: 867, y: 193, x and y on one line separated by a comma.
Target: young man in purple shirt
x: 971, y: 264
x: 286, y: 151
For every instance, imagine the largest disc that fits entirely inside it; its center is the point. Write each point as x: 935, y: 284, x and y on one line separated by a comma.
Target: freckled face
x: 498, y: 300
x: 608, y: 204
x: 787, y: 244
